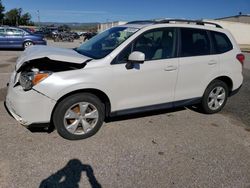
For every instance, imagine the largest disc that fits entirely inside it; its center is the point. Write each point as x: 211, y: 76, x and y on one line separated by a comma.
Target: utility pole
x: 16, y: 20
x: 38, y: 18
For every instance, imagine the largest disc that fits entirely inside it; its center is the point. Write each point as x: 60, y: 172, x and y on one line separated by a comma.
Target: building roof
x: 235, y: 16
x: 240, y: 18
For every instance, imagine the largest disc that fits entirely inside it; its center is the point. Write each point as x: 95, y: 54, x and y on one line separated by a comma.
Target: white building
x: 239, y: 30
x: 107, y: 25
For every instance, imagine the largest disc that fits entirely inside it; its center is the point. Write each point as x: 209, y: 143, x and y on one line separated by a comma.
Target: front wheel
x: 79, y: 116
x: 215, y: 97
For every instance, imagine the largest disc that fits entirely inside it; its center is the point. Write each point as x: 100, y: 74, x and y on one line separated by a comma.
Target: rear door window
x: 194, y: 42
x: 221, y: 42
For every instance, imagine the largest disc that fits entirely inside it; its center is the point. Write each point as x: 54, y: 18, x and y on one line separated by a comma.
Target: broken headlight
x: 29, y: 79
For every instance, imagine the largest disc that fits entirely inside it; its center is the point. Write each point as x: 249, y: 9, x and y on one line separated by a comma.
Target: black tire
x: 27, y: 44
x: 205, y: 99
x: 65, y: 104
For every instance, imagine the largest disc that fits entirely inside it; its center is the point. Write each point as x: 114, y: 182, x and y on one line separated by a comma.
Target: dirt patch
x: 247, y: 129
x: 4, y: 65
x: 4, y: 173
x: 7, y: 67
x: 160, y: 153
x: 214, y: 124
x: 13, y: 59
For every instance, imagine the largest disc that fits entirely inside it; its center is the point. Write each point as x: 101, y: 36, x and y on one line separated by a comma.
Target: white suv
x: 141, y: 66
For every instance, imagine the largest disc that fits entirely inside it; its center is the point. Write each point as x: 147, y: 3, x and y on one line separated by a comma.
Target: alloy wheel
x: 81, y: 118
x: 216, y: 98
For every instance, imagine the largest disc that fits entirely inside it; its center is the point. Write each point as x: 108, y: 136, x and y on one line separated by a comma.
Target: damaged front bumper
x: 28, y: 107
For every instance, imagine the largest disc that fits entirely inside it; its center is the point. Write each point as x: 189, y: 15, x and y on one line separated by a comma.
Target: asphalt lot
x: 176, y: 149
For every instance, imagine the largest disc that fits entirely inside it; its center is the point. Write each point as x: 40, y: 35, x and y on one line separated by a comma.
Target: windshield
x: 103, y: 44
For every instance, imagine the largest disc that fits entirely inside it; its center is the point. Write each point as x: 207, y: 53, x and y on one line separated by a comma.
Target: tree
x: 2, y: 9
x: 64, y: 28
x: 13, y: 16
x: 25, y: 19
x: 16, y: 17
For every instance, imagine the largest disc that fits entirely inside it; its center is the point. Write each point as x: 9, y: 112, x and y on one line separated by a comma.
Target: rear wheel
x: 215, y: 97
x: 79, y: 116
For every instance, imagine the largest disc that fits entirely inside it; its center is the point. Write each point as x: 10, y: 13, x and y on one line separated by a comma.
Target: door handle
x: 170, y: 68
x: 212, y: 62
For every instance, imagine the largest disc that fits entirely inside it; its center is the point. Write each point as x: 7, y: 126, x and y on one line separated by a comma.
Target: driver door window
x: 155, y: 44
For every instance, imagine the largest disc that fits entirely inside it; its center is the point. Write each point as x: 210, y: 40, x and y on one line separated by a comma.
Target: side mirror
x: 135, y: 57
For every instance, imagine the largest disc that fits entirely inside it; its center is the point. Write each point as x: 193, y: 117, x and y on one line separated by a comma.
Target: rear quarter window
x: 222, y: 43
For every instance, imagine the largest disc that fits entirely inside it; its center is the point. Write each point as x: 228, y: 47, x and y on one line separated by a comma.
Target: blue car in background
x: 13, y: 37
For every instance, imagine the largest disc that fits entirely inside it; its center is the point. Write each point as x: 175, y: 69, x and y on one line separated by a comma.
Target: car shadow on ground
x: 41, y: 128
x: 11, y: 49
x: 49, y: 127
x: 238, y: 106
x: 144, y: 114
x: 70, y: 176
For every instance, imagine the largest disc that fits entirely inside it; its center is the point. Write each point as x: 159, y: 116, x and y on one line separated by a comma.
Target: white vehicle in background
x: 141, y: 66
x: 81, y: 33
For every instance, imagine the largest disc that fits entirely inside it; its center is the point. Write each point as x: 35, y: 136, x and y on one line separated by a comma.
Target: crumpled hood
x: 57, y: 54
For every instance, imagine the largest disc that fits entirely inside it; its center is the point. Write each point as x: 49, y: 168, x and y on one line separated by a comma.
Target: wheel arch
x: 27, y: 40
x: 98, y: 93
x: 227, y: 80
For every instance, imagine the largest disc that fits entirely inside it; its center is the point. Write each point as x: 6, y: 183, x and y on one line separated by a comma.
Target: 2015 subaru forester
x: 137, y: 67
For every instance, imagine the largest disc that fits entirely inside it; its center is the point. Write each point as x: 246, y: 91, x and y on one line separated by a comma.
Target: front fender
x: 57, y: 86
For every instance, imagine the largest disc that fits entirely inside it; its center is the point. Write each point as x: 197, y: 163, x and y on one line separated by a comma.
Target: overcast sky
x: 127, y: 10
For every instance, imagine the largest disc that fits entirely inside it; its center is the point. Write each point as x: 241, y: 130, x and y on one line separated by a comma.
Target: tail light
x: 241, y: 58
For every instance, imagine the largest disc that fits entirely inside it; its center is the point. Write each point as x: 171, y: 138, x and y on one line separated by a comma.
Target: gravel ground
x: 179, y: 148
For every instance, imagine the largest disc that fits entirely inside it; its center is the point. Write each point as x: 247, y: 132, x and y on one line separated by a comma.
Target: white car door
x: 151, y: 83
x: 197, y: 65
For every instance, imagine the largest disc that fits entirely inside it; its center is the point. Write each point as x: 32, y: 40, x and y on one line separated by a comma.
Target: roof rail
x: 142, y: 22
x: 197, y: 22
